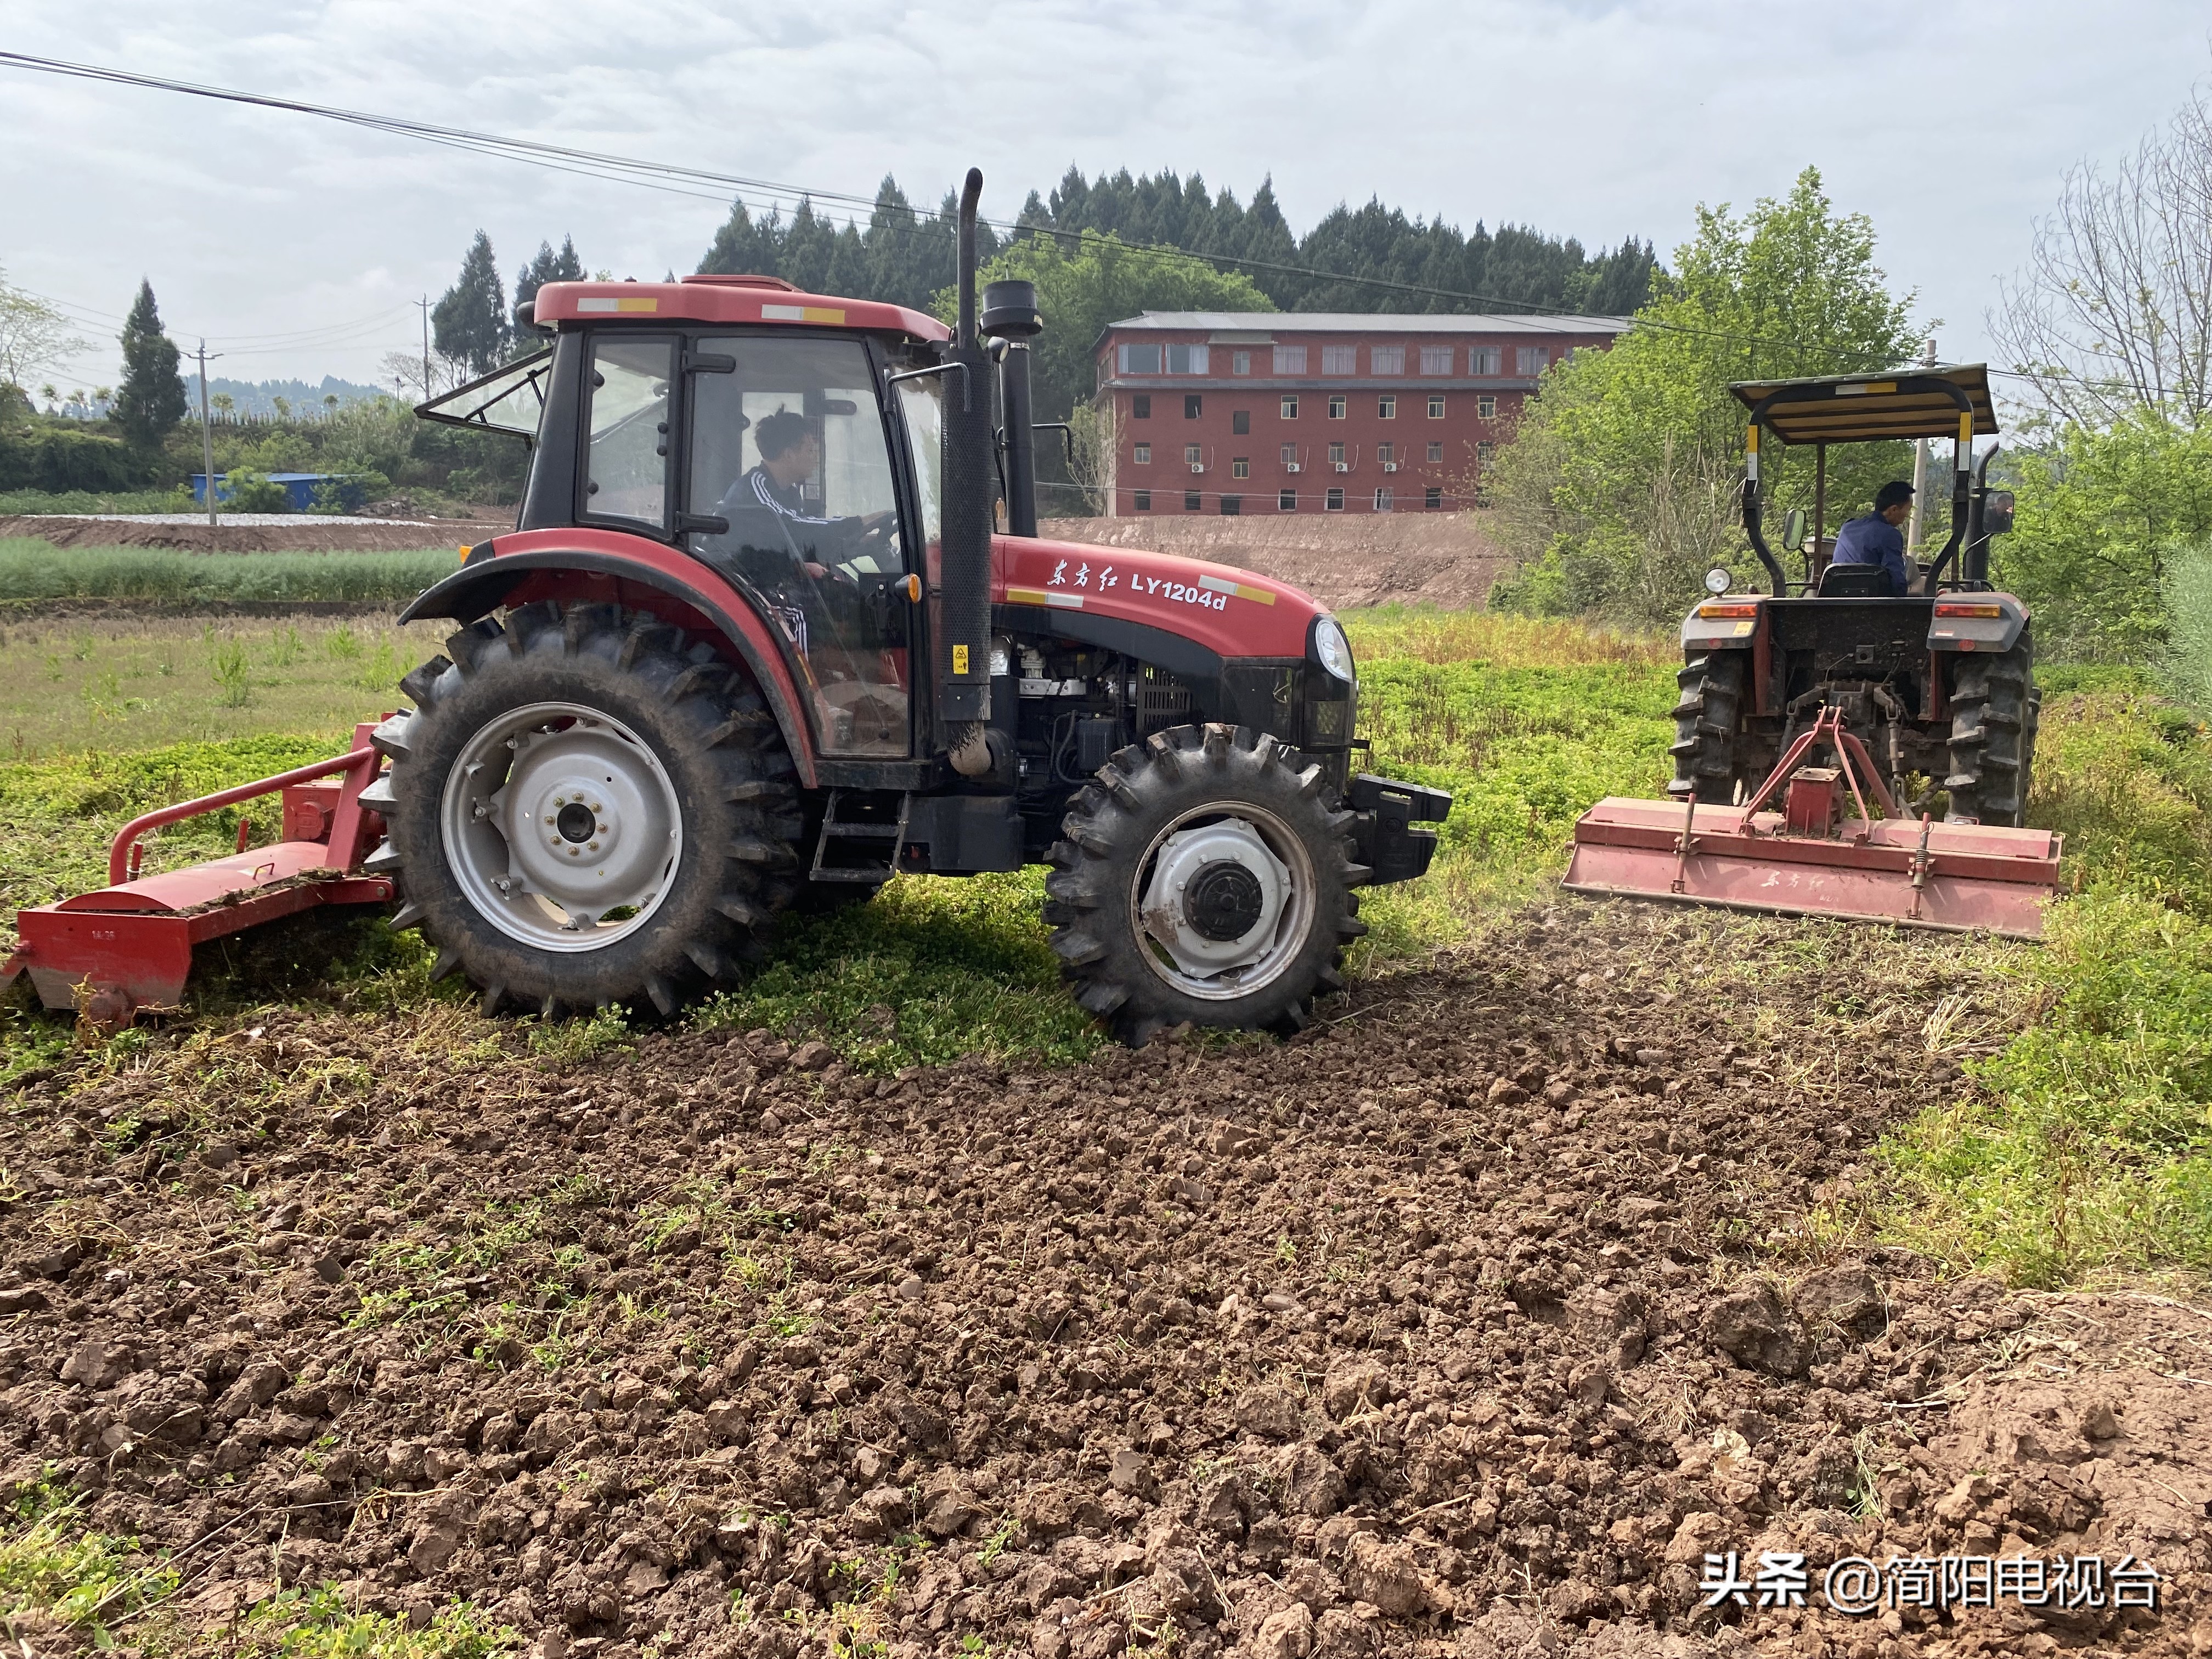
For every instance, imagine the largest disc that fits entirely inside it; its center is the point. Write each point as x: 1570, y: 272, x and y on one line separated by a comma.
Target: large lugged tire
x: 1203, y: 879
x: 586, y: 809
x: 1994, y: 709
x: 1704, y: 746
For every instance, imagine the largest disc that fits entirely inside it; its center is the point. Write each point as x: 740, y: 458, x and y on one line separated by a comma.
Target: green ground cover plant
x: 80, y: 501
x: 30, y: 569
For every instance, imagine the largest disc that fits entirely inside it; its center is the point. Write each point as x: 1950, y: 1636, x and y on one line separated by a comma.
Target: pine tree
x: 548, y: 267
x: 151, y: 399
x: 469, y: 324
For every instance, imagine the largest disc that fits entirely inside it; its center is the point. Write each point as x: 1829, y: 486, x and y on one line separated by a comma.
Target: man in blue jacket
x: 1874, y: 539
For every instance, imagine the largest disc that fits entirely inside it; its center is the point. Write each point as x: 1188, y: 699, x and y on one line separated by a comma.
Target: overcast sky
x: 1951, y: 124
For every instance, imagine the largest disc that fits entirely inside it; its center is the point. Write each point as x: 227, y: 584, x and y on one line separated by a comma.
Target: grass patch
x: 176, y: 499
x: 90, y: 688
x: 1527, y: 723
x: 34, y: 569
x: 2088, y: 1146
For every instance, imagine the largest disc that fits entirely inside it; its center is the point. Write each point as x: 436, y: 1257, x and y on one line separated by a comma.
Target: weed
x: 562, y: 1044
x: 227, y: 665
x: 29, y: 570
x: 85, y: 1579
x: 340, y: 645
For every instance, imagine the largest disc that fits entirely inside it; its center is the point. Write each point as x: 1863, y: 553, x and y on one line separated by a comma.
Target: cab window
x: 626, y: 469
x: 791, y: 465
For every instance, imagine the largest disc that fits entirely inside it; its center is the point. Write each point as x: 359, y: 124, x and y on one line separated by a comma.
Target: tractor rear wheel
x: 1994, y: 714
x: 1203, y: 879
x: 1706, y: 720
x: 586, y: 809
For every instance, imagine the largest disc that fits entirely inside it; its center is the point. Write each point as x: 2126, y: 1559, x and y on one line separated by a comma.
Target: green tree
x: 1620, y: 487
x: 151, y: 399
x: 2106, y: 515
x: 469, y: 324
x: 34, y: 337
x: 548, y: 267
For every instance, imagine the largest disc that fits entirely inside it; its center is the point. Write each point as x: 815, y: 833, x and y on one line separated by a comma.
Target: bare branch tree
x: 2114, y: 308
x: 33, y: 336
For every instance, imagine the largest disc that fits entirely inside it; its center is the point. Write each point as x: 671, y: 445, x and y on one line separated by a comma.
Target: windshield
x: 510, y: 400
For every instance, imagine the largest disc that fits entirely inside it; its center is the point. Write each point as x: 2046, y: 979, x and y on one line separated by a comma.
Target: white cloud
x: 1950, y: 122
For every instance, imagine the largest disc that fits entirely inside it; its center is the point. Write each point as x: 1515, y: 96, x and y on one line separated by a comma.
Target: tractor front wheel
x: 1203, y: 879
x: 584, y: 809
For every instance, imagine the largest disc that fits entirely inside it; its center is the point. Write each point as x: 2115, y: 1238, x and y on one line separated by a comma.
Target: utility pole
x: 424, y: 305
x: 1914, y: 530
x: 207, y: 439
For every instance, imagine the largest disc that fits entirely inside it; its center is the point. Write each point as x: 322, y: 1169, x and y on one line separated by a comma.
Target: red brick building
x: 1236, y: 412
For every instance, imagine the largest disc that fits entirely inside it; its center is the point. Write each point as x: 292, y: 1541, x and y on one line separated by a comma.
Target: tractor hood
x: 1231, y: 612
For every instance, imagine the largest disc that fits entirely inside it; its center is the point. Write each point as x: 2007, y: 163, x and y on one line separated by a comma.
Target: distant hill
x: 259, y: 396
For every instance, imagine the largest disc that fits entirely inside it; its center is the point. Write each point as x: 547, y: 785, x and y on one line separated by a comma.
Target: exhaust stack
x: 963, y: 650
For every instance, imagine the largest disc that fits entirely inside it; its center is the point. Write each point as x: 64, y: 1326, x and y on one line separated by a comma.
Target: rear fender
x: 628, y: 570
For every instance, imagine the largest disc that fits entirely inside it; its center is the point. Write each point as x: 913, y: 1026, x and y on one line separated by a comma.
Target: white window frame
x: 1382, y: 498
x: 1339, y: 360
x: 1143, y: 457
x: 1530, y: 362
x: 1386, y: 359
x: 1290, y: 407
x: 1485, y: 407
x: 1240, y: 466
x: 1240, y: 362
x: 1435, y: 449
x: 1333, y: 501
x: 1436, y: 405
x: 1128, y: 354
x: 1193, y: 359
x: 1437, y: 360
x: 1286, y: 501
x: 1338, y: 406
x: 1290, y: 359
x: 1386, y: 406
x: 1485, y: 360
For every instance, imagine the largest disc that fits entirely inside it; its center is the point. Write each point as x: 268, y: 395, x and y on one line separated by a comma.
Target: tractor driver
x: 1875, y: 539
x: 769, y: 497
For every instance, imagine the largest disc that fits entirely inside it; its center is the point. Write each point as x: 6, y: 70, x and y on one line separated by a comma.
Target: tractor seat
x: 1855, y: 581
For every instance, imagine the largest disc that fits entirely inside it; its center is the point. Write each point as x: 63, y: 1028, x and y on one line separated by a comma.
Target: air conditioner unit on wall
x: 1291, y: 466
x: 1344, y: 466
x: 1198, y: 467
x: 1389, y: 466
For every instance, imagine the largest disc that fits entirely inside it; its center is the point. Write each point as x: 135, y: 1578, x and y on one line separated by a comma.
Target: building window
x: 1386, y: 359
x: 1186, y: 360
x: 1141, y: 407
x: 1289, y: 454
x: 1487, y: 408
x: 1240, y: 421
x: 1240, y: 362
x: 1483, y: 452
x: 1232, y: 506
x: 1336, y: 406
x: 1386, y: 453
x: 1435, y: 449
x: 1339, y: 360
x: 1382, y: 498
x: 1530, y: 362
x: 1290, y: 408
x: 1190, y: 453
x: 1191, y: 503
x: 1333, y: 501
x: 1287, y: 501
x: 1433, y: 497
x: 1386, y: 407
x: 1435, y: 406
x: 1144, y: 500
x: 1192, y: 404
x: 1290, y: 359
x: 1241, y: 467
x: 1435, y: 359
x: 1336, y: 454
x: 1140, y: 359
x: 1484, y: 360
x: 1144, y: 456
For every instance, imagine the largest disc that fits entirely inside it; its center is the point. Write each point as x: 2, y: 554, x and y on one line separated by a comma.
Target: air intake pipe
x: 1010, y: 313
x: 963, y: 648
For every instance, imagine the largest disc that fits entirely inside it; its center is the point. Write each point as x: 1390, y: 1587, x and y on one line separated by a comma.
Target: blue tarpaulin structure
x: 300, y: 486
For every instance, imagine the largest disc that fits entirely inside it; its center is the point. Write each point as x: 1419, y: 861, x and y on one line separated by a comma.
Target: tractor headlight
x: 1331, y: 650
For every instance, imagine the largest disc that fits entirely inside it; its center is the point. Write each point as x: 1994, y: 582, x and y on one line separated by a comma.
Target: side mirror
x: 1793, y: 531
x: 1996, y: 513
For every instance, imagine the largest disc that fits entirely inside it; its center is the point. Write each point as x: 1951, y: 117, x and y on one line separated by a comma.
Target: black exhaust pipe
x: 1010, y: 312
x: 963, y: 651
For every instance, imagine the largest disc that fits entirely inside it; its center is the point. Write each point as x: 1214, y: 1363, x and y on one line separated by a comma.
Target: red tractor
x: 754, y: 644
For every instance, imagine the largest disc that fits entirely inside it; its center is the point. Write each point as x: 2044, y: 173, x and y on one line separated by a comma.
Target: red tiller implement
x: 129, y: 945
x: 1811, y: 859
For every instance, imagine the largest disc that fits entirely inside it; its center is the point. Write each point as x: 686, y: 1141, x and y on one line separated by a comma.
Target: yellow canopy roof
x: 1848, y: 409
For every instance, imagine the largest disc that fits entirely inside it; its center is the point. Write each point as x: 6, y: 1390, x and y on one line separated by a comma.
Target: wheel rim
x: 1223, y: 900
x: 562, y: 826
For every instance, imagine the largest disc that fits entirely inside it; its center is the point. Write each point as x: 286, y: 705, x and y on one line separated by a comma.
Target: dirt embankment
x: 310, y: 533
x: 1468, y: 1323
x: 1383, y: 558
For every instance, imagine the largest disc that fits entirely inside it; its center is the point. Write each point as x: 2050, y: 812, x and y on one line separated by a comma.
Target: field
x: 880, y: 1308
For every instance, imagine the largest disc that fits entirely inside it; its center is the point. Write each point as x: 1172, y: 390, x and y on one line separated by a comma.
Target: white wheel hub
x: 562, y: 826
x: 1224, y: 902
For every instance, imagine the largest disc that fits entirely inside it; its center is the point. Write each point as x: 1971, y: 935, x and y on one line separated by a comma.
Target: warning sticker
x: 959, y: 659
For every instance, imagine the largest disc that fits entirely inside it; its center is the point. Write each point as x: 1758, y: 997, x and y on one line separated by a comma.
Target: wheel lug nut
x: 594, y: 847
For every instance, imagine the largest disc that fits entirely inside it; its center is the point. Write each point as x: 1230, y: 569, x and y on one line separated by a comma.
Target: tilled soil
x: 1468, y: 1322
